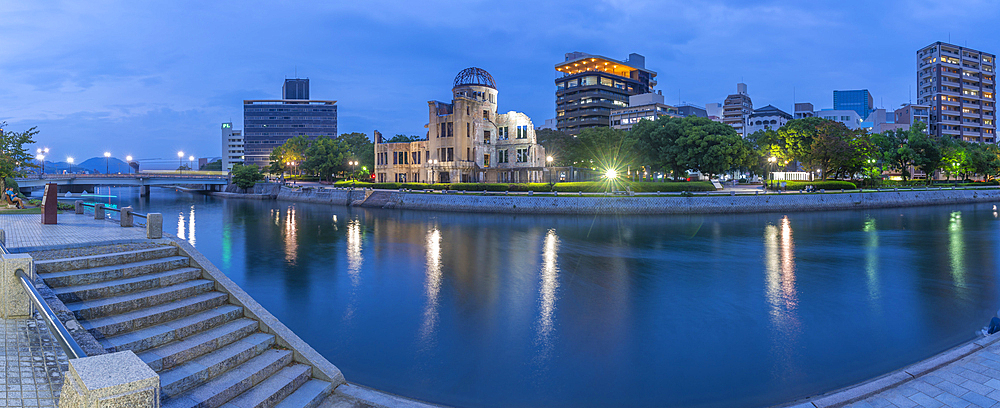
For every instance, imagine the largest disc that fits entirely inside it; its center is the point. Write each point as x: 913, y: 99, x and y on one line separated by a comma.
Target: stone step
x: 155, y: 336
x: 198, y: 371
x: 138, y: 319
x: 96, y: 308
x: 274, y: 389
x: 121, y: 286
x: 106, y: 273
x: 178, y: 352
x: 94, y: 261
x: 234, y: 382
x: 309, y: 395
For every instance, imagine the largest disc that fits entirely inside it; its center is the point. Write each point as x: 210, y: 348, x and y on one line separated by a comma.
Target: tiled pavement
x: 31, y: 364
x: 24, y: 231
x: 973, y: 381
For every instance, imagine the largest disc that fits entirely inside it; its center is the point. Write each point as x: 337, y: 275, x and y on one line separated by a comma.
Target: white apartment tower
x: 232, y: 146
x: 958, y: 85
x: 737, y: 109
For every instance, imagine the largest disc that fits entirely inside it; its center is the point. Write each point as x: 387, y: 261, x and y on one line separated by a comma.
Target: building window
x: 486, y: 114
x: 427, y: 157
x: 502, y: 156
x: 451, y: 154
x: 522, y: 132
x: 468, y: 130
x: 468, y: 154
x: 522, y: 155
x: 450, y: 129
x: 394, y: 158
x: 607, y: 82
x: 486, y: 136
x: 588, y: 80
x: 486, y: 160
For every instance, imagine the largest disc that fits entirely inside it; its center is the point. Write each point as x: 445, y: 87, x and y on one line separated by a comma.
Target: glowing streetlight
x: 41, y: 158
x: 611, y: 174
x: 70, y: 161
x: 128, y: 160
x: 180, y: 161
x: 107, y: 162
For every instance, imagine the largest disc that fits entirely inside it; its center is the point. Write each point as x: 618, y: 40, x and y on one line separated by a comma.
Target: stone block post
x: 154, y: 226
x: 126, y: 216
x: 99, y: 211
x: 15, y: 302
x: 78, y: 205
x: 110, y: 380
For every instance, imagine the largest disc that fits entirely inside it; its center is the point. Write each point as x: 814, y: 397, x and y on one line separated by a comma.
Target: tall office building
x: 232, y: 146
x: 269, y: 123
x: 591, y: 86
x: 958, y: 85
x: 859, y: 101
x: 737, y: 109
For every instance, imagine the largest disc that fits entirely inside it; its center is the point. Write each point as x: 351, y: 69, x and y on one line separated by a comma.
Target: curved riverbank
x: 639, y: 205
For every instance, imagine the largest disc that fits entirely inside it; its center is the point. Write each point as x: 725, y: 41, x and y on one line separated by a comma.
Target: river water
x: 513, y: 310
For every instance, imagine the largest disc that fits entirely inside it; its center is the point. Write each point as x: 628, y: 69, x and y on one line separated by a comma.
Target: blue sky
x: 151, y: 78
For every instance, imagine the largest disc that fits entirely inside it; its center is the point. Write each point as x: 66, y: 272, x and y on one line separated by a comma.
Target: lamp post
x: 41, y: 158
x: 548, y: 163
x: 770, y: 167
x: 128, y: 160
x: 70, y: 160
x: 180, y: 162
x: 191, y: 162
x: 107, y: 163
x: 354, y: 165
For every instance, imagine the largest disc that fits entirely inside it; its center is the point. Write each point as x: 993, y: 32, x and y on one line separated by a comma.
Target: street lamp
x: 353, y: 170
x: 41, y: 158
x: 548, y: 162
x: 70, y: 161
x: 128, y: 159
x: 771, y: 160
x: 180, y: 162
x: 107, y: 163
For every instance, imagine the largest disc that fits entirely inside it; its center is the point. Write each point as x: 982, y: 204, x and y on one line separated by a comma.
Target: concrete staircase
x: 206, y: 349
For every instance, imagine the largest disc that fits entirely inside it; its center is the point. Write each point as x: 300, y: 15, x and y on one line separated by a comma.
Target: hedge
x: 568, y: 187
x: 828, y: 185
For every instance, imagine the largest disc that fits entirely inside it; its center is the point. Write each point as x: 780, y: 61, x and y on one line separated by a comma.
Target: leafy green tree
x: 692, y: 143
x: 893, y: 150
x: 14, y: 156
x: 293, y: 150
x: 796, y: 140
x: 361, y: 148
x: 985, y: 160
x: 557, y: 144
x: 603, y: 148
x: 400, y: 138
x: 764, y: 144
x: 836, y: 149
x: 927, y: 154
x: 245, y: 177
x: 327, y: 156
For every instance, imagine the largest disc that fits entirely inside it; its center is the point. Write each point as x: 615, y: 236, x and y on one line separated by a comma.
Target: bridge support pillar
x: 143, y: 191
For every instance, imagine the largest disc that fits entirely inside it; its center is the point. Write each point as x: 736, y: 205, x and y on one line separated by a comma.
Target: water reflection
x: 180, y: 225
x: 871, y: 261
x: 547, y: 294
x: 432, y: 288
x: 354, y: 259
x: 290, y: 230
x: 191, y: 227
x: 781, y: 294
x: 956, y: 248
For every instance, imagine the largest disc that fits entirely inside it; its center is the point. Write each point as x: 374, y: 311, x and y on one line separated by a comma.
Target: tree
x: 13, y: 153
x: 402, y: 139
x: 796, y: 140
x: 837, y: 149
x: 764, y: 144
x: 245, y: 177
x: 692, y: 143
x: 892, y: 148
x: 926, y: 152
x: 361, y: 148
x: 327, y: 156
x: 557, y: 144
x: 214, y: 165
x: 293, y: 150
x: 602, y: 149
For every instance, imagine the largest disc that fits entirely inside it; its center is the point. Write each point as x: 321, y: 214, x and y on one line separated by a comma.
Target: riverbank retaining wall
x: 713, y: 204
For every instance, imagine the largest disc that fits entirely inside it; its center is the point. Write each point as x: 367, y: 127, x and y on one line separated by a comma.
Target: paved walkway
x: 31, y: 364
x: 26, y: 232
x: 973, y: 381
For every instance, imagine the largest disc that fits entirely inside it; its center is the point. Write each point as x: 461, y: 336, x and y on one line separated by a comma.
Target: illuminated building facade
x: 591, y: 86
x: 468, y: 141
x: 648, y: 106
x: 859, y: 100
x: 958, y: 85
x: 269, y: 123
x: 232, y: 146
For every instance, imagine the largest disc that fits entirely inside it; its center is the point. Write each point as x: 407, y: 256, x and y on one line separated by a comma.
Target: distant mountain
x: 91, y: 165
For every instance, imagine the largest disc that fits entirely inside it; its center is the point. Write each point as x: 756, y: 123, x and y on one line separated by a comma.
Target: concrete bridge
x: 79, y: 182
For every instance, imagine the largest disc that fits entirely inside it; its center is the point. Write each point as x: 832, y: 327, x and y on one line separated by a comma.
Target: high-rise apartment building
x: 958, y: 85
x: 737, y: 109
x: 591, y: 86
x: 859, y: 101
x: 232, y: 146
x: 269, y: 123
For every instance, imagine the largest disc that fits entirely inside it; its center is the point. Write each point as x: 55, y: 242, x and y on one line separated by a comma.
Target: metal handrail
x: 69, y: 345
x: 134, y: 214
